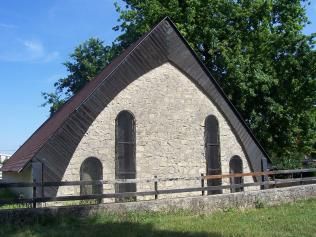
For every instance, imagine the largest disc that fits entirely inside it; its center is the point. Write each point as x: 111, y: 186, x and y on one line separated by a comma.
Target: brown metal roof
x: 29, y: 149
x: 165, y: 38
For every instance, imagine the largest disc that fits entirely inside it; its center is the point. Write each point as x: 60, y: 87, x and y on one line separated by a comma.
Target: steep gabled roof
x: 162, y: 44
x: 34, y: 143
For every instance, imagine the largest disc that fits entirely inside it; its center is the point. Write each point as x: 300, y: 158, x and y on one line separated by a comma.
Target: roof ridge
x: 35, y: 143
x: 72, y: 106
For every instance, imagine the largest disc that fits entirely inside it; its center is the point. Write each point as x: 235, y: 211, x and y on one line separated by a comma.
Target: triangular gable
x: 162, y: 44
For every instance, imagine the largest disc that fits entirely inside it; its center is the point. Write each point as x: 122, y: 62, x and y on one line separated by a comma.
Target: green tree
x: 87, y: 60
x: 256, y: 51
x: 254, y: 48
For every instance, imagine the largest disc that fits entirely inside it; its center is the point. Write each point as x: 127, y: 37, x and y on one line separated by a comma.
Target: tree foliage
x: 254, y: 48
x: 85, y: 62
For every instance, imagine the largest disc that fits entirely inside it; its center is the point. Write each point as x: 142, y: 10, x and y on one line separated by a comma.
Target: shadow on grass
x: 95, y: 227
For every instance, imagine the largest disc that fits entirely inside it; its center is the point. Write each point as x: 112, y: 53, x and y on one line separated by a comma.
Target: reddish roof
x: 42, y: 135
x: 33, y: 145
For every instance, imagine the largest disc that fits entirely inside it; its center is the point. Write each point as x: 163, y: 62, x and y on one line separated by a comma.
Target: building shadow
x: 91, y: 227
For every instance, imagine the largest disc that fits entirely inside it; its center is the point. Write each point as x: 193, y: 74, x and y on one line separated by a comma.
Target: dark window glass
x: 212, y: 152
x: 91, y: 170
x: 125, y: 165
x: 235, y: 167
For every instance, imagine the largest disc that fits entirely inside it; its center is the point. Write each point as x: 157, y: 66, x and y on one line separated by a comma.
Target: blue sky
x: 36, y: 37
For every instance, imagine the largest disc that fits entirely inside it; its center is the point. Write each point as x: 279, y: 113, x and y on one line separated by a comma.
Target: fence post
x: 264, y: 177
x: 34, y: 193
x: 273, y: 177
x: 202, y: 184
x: 156, y: 187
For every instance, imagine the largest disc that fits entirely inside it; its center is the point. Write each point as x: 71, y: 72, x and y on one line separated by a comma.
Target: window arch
x: 91, y: 170
x: 212, y: 152
x: 125, y: 143
x: 236, y: 167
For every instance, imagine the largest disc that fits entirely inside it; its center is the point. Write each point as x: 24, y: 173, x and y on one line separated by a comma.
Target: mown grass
x: 296, y: 219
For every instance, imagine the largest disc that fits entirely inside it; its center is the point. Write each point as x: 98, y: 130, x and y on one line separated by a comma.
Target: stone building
x: 154, y: 111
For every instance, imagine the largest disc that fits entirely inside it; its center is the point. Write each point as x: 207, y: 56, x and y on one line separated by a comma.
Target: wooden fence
x: 265, y: 180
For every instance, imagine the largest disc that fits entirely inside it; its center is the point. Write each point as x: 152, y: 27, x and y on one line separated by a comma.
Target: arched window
x: 91, y: 170
x: 125, y: 163
x: 212, y: 152
x: 235, y: 167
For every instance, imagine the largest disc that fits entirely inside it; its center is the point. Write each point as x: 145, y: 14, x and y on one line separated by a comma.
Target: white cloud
x: 8, y: 26
x: 28, y: 51
x: 33, y: 45
x: 35, y: 49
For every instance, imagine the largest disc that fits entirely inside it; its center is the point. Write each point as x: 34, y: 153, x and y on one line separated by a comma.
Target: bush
x: 6, y: 193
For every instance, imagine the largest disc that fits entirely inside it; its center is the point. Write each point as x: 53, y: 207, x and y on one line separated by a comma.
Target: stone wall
x: 170, y: 112
x: 205, y: 204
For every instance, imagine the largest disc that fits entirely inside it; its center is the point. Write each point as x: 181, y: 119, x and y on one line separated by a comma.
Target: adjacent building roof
x: 162, y: 44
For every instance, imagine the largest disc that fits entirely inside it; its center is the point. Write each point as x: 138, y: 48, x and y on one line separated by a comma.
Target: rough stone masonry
x: 170, y: 112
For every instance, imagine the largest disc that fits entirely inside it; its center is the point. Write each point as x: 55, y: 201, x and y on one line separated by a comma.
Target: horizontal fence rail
x: 265, y: 180
x: 122, y: 181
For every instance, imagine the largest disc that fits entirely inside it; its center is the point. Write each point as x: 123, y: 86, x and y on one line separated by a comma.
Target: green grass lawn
x: 296, y: 219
